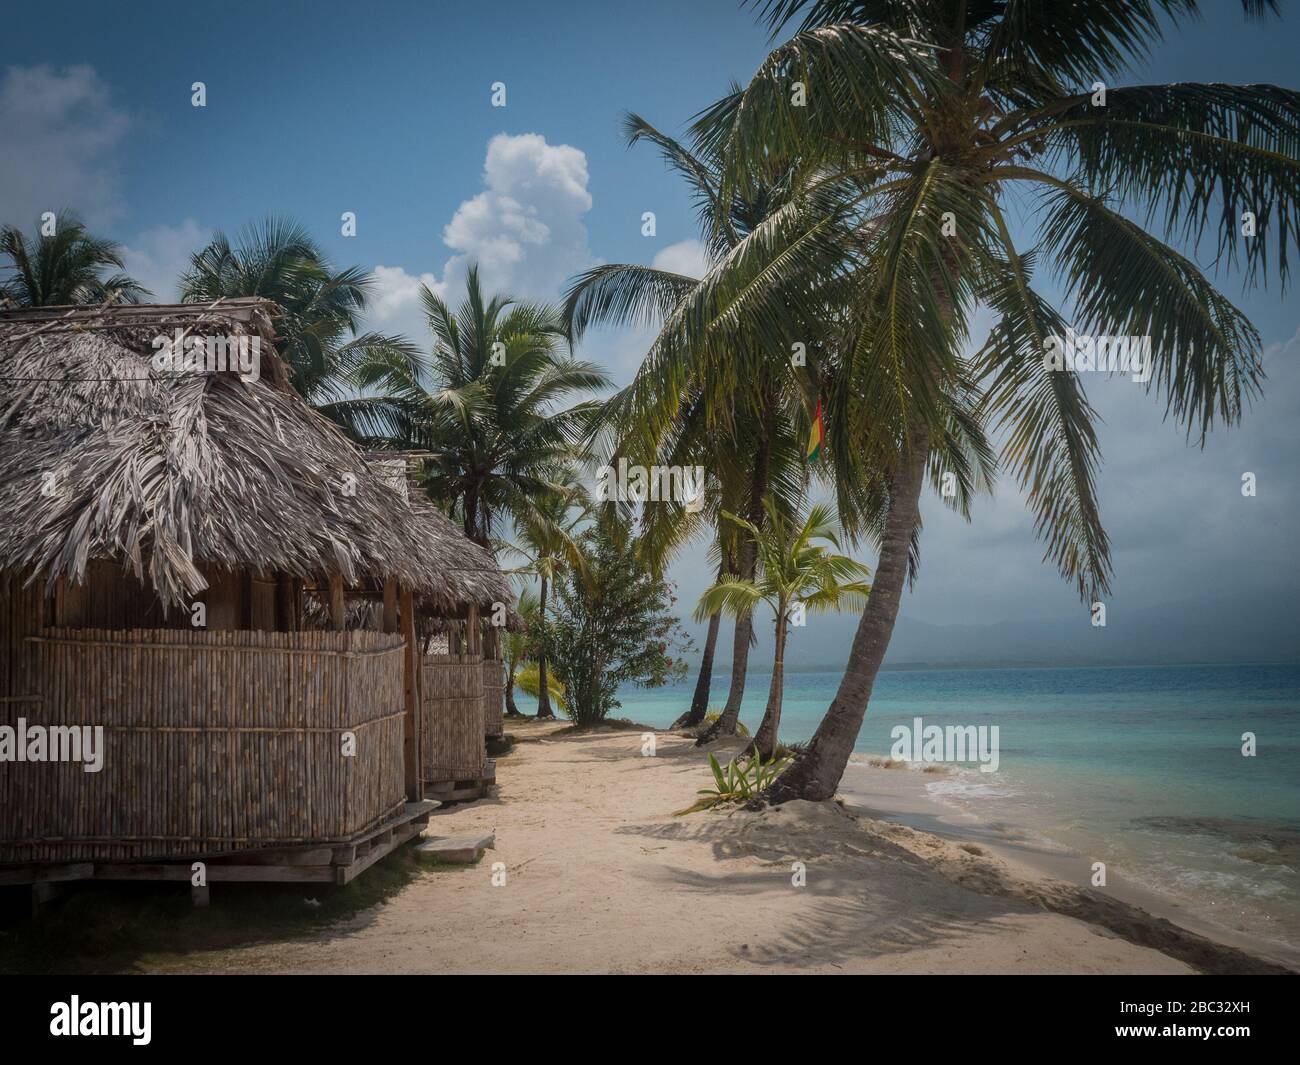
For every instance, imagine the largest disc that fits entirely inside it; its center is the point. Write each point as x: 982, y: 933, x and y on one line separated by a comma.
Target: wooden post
x: 225, y: 600
x: 410, y: 733
x: 337, y: 611
x: 473, y: 633
x: 69, y: 604
x: 286, y: 618
x: 390, y: 606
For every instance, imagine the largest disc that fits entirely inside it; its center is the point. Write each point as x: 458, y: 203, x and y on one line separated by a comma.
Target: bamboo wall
x: 451, y: 718
x: 215, y: 741
x: 494, y: 697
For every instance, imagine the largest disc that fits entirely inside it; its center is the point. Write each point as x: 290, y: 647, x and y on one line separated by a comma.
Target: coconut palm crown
x: 62, y: 264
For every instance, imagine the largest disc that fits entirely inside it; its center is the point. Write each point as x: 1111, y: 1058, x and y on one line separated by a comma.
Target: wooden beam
x: 337, y: 602
x: 34, y: 871
x: 390, y: 606
x: 246, y: 874
x: 304, y: 856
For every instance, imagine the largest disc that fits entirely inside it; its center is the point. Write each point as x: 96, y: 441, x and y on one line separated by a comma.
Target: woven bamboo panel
x: 214, y: 742
x: 451, y: 718
x: 494, y: 697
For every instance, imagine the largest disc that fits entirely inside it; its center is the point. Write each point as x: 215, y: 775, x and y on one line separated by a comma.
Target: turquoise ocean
x: 1141, y: 766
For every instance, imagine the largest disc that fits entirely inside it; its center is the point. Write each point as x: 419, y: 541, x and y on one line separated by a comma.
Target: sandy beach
x: 602, y: 877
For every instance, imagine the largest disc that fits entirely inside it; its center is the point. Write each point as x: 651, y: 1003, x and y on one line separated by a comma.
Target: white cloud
x: 686, y: 257
x: 59, y: 131
x: 525, y: 230
x: 158, y: 256
x: 394, y: 304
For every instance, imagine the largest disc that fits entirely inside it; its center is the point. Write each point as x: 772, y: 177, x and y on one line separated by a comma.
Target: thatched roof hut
x: 135, y: 488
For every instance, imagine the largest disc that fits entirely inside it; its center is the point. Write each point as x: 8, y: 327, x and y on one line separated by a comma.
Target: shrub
x: 738, y: 782
x: 612, y: 625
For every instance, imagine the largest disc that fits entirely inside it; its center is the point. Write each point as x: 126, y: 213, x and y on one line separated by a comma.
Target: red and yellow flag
x: 817, y: 435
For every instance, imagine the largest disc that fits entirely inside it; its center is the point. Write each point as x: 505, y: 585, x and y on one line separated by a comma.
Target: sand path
x: 601, y: 877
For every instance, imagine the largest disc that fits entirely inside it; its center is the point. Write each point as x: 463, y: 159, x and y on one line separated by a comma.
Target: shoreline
x: 899, y: 795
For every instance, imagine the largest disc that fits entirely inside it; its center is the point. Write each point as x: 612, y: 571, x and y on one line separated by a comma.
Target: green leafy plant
x: 738, y: 781
x: 613, y: 624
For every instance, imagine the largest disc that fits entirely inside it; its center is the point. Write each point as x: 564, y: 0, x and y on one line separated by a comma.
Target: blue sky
x: 384, y: 109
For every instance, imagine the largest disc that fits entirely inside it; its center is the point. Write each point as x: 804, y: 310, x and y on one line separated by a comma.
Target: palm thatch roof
x: 474, y: 562
x: 103, y: 456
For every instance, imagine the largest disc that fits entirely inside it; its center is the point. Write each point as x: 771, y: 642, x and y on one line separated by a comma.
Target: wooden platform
x: 467, y: 790
x: 336, y: 863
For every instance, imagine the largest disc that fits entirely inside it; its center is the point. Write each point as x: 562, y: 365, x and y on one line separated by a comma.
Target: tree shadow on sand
x: 871, y: 896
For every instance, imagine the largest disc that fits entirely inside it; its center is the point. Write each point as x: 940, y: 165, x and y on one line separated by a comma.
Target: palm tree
x: 520, y: 670
x: 515, y: 646
x: 485, y: 402
x: 795, y: 573
x: 707, y: 378
x: 926, y: 117
x: 66, y: 266
x: 321, y: 307
x: 546, y: 535
x: 667, y: 526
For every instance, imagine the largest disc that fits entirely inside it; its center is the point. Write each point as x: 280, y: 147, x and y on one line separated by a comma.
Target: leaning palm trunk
x: 543, y: 692
x: 700, y: 702
x: 743, y: 637
x: 764, y: 745
x: 817, y: 772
